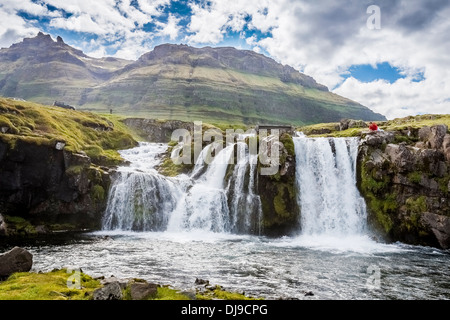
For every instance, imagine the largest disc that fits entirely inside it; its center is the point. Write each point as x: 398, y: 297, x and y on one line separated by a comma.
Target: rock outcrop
x: 157, y: 130
x: 407, y: 186
x: 49, y: 186
x: 15, y: 260
x: 280, y: 210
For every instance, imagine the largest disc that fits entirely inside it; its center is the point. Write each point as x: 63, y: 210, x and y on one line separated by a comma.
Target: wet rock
x: 201, y: 282
x: 309, y: 294
x: 15, y: 260
x: 41, y: 229
x: 143, y: 290
x: 440, y: 225
x: 110, y: 291
x: 3, y: 230
x: 122, y: 282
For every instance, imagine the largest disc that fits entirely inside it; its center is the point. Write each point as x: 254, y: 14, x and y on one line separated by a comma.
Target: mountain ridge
x: 173, y: 81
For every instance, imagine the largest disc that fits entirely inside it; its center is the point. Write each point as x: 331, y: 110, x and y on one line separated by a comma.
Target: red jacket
x: 373, y: 127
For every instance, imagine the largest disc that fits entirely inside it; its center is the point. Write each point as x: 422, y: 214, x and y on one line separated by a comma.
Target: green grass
x: 61, y: 285
x: 98, y: 136
x: 166, y: 293
x: 46, y: 286
x: 412, y: 122
x: 218, y: 293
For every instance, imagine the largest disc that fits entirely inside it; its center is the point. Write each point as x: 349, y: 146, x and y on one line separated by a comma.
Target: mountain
x: 172, y: 82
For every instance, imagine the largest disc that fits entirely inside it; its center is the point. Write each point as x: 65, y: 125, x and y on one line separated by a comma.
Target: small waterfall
x: 204, y: 206
x: 326, y: 178
x: 140, y: 198
x: 244, y: 203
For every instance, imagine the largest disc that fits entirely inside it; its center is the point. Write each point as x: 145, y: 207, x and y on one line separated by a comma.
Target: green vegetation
x: 381, y: 203
x: 53, y: 285
x: 166, y: 293
x: 98, y: 192
x: 410, y: 123
x: 46, y: 286
x: 99, y: 137
x: 217, y: 292
x: 19, y: 226
x: 416, y: 205
x: 415, y: 177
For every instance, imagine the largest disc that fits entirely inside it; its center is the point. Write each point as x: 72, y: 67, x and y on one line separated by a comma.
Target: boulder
x: 15, y: 260
x: 377, y: 138
x: 401, y: 156
x: 433, y: 137
x: 142, y: 290
x: 122, y: 282
x: 111, y: 291
x: 440, y: 226
x: 437, y: 136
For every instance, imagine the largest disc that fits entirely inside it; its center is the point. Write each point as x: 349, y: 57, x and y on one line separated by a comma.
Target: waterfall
x: 216, y: 197
x: 220, y: 195
x: 326, y: 179
x: 140, y: 198
x: 245, y: 204
x: 204, y: 206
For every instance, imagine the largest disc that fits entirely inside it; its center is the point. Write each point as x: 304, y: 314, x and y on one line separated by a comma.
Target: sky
x: 392, y: 56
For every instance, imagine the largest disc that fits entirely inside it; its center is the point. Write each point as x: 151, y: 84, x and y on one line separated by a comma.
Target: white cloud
x: 170, y: 29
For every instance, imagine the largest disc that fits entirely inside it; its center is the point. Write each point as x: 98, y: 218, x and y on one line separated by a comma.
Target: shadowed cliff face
x: 49, y: 186
x: 407, y: 186
x: 174, y: 82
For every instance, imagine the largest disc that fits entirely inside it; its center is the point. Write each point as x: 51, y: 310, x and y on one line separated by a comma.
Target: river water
x: 158, y: 229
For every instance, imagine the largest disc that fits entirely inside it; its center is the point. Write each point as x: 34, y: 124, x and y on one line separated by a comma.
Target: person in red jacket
x: 373, y: 126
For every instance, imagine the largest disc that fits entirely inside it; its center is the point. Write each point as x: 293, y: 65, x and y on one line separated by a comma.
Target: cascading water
x: 244, y: 205
x: 140, y: 198
x: 326, y: 179
x: 204, y: 205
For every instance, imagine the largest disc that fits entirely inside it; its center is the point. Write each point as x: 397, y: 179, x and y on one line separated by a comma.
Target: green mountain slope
x: 173, y: 82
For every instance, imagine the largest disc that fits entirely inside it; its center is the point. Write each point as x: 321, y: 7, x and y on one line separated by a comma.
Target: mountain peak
x: 245, y: 61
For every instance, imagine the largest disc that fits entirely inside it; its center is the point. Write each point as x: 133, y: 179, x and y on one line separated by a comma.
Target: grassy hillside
x: 98, y: 136
x: 173, y: 82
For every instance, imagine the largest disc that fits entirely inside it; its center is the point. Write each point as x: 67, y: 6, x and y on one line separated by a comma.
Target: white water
x: 245, y: 205
x: 332, y: 210
x: 141, y: 199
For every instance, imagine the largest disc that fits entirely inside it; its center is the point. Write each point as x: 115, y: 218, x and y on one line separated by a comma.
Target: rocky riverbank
x: 18, y: 283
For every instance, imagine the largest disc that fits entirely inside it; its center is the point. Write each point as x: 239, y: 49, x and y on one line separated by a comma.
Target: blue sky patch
x: 367, y: 73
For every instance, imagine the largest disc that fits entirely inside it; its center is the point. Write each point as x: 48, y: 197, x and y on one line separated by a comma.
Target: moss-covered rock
x: 401, y: 183
x: 279, y: 195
